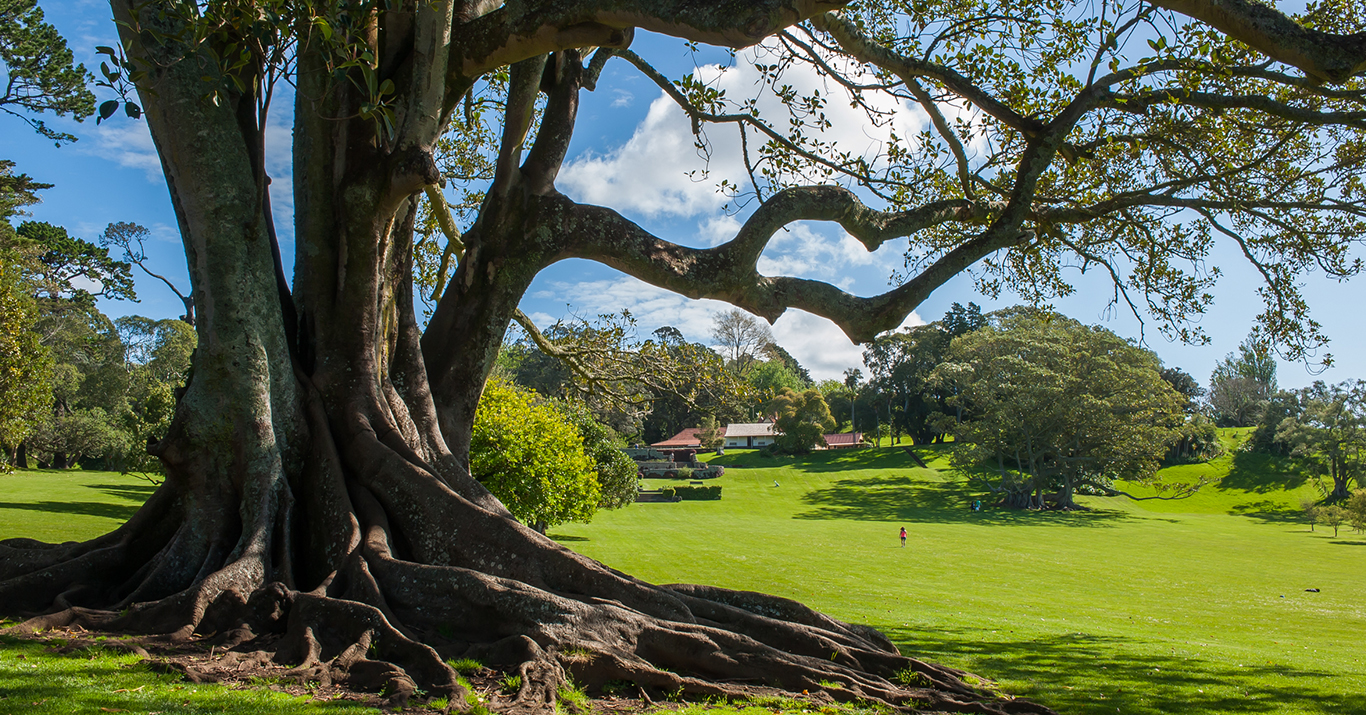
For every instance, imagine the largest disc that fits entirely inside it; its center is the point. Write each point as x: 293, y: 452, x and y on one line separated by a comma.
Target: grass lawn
x: 1196, y: 606
x: 58, y: 505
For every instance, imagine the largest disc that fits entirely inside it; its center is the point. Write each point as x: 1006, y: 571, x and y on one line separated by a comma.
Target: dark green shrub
x: 698, y: 493
x: 669, y: 492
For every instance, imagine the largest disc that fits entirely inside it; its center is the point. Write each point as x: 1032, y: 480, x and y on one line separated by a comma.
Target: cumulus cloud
x: 660, y: 172
x: 818, y: 344
x: 822, y: 251
x: 126, y: 143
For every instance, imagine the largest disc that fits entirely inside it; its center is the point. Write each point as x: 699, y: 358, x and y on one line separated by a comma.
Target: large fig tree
x: 318, y: 501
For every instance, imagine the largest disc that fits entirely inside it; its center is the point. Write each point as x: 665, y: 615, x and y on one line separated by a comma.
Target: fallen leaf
x: 112, y: 710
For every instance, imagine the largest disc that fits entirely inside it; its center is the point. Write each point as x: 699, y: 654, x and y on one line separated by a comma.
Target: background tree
x: 1330, y: 433
x: 770, y: 377
x: 1334, y: 516
x: 801, y: 420
x: 900, y: 364
x: 1242, y: 384
x: 710, y: 434
x: 1310, y: 508
x: 532, y: 459
x: 37, y: 72
x: 25, y: 366
x: 322, y: 402
x: 853, y: 380
x: 1056, y: 406
x: 617, y: 474
x: 742, y: 338
x: 157, y: 356
x: 1186, y: 386
x: 1356, y: 510
x: 129, y: 239
x: 67, y: 267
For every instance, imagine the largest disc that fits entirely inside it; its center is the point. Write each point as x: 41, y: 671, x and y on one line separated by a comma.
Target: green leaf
x: 107, y: 110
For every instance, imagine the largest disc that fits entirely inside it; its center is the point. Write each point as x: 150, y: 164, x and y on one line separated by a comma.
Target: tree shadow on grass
x: 1263, y: 473
x: 566, y: 537
x: 132, y: 492
x: 1080, y: 673
x: 122, y: 512
x: 1340, y: 542
x: 1268, y: 511
x: 900, y: 498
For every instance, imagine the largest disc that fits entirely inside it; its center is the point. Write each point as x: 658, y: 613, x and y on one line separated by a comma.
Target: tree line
x: 80, y: 388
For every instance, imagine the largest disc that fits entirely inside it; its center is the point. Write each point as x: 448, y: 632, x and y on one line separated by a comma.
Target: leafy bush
x: 684, y: 472
x: 698, y: 493
x: 532, y: 458
x: 668, y: 492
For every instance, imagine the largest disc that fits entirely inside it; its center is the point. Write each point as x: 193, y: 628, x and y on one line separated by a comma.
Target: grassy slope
x: 1151, y: 607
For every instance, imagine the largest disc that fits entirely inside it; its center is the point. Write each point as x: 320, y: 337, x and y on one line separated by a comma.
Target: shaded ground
x: 1179, y: 681
x: 904, y: 498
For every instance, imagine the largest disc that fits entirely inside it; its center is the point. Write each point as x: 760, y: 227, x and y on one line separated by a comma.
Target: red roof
x: 686, y: 438
x: 843, y: 439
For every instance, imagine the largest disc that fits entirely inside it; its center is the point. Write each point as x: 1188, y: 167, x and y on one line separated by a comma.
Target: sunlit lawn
x: 1196, y: 606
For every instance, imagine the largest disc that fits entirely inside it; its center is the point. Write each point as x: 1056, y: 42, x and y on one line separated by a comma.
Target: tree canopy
x: 1328, y: 428
x: 37, y: 70
x: 1052, y: 405
x: 801, y: 420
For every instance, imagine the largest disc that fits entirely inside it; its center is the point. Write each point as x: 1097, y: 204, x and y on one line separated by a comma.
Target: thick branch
x: 1325, y: 56
x: 507, y: 35
x: 728, y: 272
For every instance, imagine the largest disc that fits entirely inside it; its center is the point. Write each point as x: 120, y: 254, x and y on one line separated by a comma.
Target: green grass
x: 67, y: 505
x: 34, y: 680
x: 1193, y: 606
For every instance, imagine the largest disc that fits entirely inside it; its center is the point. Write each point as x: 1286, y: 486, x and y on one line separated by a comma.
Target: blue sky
x: 632, y: 151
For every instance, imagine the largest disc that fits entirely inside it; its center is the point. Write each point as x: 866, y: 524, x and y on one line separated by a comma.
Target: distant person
x: 775, y: 482
x: 903, y: 537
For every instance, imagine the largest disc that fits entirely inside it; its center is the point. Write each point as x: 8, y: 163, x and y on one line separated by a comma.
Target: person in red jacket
x: 903, y: 537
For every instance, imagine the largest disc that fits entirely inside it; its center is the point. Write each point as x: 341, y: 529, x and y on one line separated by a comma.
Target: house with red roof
x: 687, y: 439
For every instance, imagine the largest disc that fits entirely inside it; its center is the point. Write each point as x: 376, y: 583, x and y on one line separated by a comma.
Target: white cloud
x: 658, y: 171
x: 818, y: 344
x: 280, y: 167
x: 649, y: 173
x: 716, y: 230
x: 127, y: 143
x: 622, y: 98
x: 811, y: 251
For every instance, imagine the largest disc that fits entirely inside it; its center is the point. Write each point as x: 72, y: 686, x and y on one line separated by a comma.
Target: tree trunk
x: 59, y: 460
x: 21, y: 456
x: 318, y: 503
